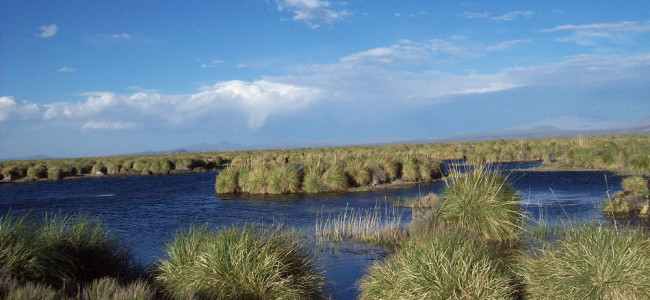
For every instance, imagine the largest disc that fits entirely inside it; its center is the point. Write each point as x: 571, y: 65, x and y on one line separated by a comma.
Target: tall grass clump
x: 357, y: 171
x: 109, y: 288
x: 482, y: 202
x: 410, y: 169
x: 590, y: 262
x: 335, y: 179
x: 313, y: 179
x: 240, y: 262
x: 441, y: 265
x: 61, y: 251
x: 284, y: 179
x: 257, y: 180
x: 227, y: 181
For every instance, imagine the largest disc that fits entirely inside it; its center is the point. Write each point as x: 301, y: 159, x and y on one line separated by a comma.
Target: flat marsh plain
x: 470, y: 242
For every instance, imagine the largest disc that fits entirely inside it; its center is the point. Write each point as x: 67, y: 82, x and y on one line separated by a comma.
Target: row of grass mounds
x: 470, y: 246
x: 626, y: 154
x: 74, y: 257
x: 634, y: 199
x: 57, y: 169
x: 317, y: 177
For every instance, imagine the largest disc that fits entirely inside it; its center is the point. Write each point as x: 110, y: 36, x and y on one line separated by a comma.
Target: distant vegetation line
x: 627, y: 154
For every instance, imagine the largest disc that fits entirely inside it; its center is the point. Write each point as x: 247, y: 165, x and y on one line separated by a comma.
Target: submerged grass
x: 377, y: 226
x: 247, y: 262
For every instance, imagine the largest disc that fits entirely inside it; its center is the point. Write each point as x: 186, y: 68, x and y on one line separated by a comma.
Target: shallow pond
x: 146, y: 211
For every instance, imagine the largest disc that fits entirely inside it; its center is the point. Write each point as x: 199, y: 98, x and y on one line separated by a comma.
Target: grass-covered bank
x: 470, y: 243
x: 627, y: 154
x: 74, y: 257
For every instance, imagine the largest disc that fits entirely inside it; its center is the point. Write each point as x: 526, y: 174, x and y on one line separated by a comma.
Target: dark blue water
x: 146, y: 211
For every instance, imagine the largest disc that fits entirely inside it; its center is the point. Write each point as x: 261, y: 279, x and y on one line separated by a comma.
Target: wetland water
x: 146, y: 211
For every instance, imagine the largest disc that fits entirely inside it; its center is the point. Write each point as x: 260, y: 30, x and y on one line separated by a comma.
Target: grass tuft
x: 247, y: 262
x: 590, y: 262
x: 440, y: 265
x: 484, y: 203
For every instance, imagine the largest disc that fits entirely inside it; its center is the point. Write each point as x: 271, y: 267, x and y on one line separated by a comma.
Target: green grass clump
x: 247, y: 262
x: 227, y: 181
x: 484, y: 203
x: 37, y: 172
x: 257, y: 180
x: 284, y: 179
x: 335, y: 179
x: 358, y: 172
x: 440, y: 265
x: 61, y: 251
x: 313, y: 180
x: 590, y: 262
x: 12, y: 289
x: 109, y: 288
x: 410, y: 169
x: 635, y: 185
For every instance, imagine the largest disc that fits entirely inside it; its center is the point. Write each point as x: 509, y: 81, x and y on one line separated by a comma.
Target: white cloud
x: 513, y: 15
x: 507, y: 44
x: 312, y: 12
x: 48, y: 31
x: 65, y: 69
x: 93, y: 125
x: 10, y: 110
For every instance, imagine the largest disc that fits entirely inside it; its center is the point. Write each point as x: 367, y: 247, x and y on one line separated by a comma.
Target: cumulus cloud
x: 48, y: 31
x: 513, y: 15
x: 10, y: 110
x: 255, y: 101
x: 312, y: 12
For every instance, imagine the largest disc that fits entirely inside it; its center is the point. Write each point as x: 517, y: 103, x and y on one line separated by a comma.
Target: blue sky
x: 88, y: 78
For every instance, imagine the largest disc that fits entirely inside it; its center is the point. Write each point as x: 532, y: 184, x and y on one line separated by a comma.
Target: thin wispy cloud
x: 121, y: 36
x: 474, y: 15
x: 93, y: 125
x: 65, y: 70
x: 313, y: 12
x: 511, y: 16
x: 507, y: 44
x: 48, y: 31
x: 624, y: 26
x: 212, y: 63
x: 594, y: 34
